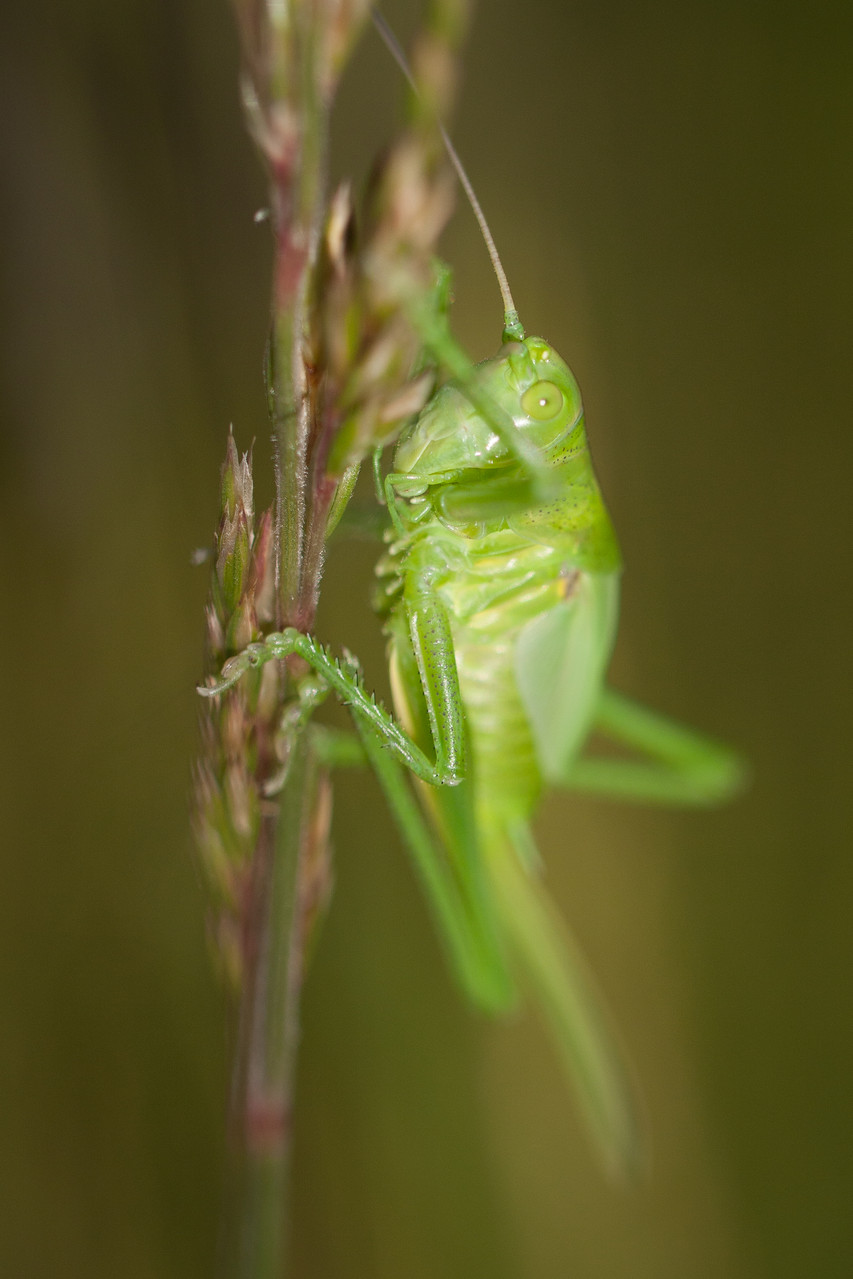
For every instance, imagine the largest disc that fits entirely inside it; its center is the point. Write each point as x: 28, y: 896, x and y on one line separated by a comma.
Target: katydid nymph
x: 499, y: 588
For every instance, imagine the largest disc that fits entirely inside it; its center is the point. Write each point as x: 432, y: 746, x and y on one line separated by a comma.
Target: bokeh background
x: 672, y: 189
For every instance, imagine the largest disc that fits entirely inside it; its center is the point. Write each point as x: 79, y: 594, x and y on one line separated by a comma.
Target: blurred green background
x: 672, y: 189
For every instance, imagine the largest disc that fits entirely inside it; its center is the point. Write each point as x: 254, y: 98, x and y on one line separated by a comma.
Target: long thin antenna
x: 512, y: 324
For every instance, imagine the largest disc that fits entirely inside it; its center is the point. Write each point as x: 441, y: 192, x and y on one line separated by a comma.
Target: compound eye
x: 542, y: 401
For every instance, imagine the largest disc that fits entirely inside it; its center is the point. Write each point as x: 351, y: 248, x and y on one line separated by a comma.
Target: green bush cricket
x: 500, y: 589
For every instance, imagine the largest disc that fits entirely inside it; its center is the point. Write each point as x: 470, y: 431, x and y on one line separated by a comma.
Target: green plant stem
x: 262, y: 1098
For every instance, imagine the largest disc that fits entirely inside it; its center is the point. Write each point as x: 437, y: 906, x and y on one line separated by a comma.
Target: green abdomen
x: 504, y: 768
x: 495, y: 586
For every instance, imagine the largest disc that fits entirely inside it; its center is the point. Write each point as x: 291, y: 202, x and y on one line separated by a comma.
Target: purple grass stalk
x: 345, y: 372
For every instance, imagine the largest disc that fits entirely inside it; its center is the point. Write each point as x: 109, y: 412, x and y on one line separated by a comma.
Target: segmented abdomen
x: 492, y: 587
x: 504, y: 768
